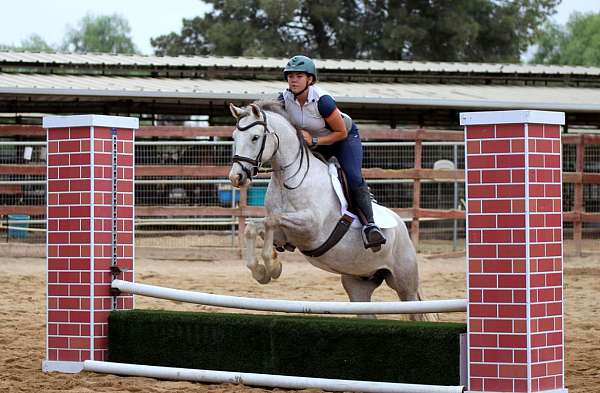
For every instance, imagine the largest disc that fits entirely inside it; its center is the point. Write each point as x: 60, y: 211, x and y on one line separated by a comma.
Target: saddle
x: 341, y: 175
x: 384, y: 217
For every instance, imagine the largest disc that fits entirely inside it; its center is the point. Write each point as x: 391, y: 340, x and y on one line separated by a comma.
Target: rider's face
x: 297, y: 81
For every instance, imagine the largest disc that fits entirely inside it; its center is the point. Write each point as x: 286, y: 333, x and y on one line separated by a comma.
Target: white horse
x: 302, y: 209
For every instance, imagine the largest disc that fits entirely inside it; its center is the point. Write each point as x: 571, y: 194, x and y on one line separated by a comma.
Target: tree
x: 103, y: 34
x: 34, y: 43
x: 458, y: 30
x: 234, y: 28
x: 578, y: 43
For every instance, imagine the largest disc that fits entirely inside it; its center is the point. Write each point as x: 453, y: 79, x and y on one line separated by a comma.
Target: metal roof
x: 230, y: 62
x: 455, y: 96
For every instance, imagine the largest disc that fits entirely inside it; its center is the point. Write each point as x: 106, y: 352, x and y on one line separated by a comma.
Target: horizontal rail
x: 186, y: 223
x: 292, y: 306
x: 22, y: 229
x: 25, y: 182
x: 368, y: 133
x: 253, y: 379
x: 209, y: 211
x: 257, y: 211
x: 194, y: 181
x: 222, y: 171
x: 33, y: 210
x: 22, y: 143
x: 373, y: 133
x: 183, y: 143
x: 187, y: 143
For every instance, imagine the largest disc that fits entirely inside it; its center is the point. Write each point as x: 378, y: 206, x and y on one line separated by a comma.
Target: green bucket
x: 256, y: 196
x: 13, y: 230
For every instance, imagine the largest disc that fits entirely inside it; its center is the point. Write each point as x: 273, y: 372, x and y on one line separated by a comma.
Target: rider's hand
x: 307, y: 137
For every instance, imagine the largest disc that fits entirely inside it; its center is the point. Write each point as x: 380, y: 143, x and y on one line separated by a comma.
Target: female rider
x: 313, y: 111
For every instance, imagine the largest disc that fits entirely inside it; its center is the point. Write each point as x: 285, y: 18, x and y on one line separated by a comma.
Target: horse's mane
x: 276, y: 106
x: 273, y: 106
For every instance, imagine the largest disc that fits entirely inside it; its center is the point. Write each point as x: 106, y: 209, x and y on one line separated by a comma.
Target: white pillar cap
x: 91, y: 121
x: 512, y: 117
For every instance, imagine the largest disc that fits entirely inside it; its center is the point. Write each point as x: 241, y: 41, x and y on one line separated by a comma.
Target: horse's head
x: 253, y: 143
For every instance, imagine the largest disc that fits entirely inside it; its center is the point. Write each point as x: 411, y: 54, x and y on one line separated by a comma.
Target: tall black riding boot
x: 372, y: 235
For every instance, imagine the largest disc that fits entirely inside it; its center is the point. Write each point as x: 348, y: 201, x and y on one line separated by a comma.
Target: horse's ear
x: 255, y: 110
x: 236, y: 112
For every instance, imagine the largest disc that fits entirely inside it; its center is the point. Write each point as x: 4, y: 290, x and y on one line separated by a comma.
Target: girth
x: 338, y: 232
x: 342, y: 226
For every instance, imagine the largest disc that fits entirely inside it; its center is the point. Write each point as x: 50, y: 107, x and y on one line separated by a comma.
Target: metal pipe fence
x: 22, y: 183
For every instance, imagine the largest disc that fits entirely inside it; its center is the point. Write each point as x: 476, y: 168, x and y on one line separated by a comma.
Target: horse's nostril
x: 239, y: 177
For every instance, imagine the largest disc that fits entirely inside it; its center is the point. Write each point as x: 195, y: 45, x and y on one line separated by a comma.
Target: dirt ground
x: 22, y: 314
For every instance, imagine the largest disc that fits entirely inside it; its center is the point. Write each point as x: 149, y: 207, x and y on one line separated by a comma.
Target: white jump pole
x: 275, y: 381
x: 291, y: 306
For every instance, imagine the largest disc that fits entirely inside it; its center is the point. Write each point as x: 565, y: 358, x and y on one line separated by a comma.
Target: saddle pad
x: 384, y: 217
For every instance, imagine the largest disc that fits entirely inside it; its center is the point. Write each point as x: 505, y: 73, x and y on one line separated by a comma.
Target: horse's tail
x: 430, y: 317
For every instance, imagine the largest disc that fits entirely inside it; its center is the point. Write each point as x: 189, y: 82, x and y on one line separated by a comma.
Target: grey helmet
x: 301, y: 64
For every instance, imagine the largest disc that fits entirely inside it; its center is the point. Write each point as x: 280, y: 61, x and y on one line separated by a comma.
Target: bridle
x: 257, y: 162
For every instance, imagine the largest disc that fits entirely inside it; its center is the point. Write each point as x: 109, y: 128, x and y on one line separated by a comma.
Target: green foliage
x: 460, y: 30
x: 102, y: 34
x: 576, y: 44
x: 322, y: 347
x: 34, y: 43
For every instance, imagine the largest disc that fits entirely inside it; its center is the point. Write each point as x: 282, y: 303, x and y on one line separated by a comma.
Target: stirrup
x: 373, y: 237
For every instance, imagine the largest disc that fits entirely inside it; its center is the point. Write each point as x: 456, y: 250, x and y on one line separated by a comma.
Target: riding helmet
x: 301, y: 64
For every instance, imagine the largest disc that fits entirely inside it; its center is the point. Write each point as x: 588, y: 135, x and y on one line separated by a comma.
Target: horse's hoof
x: 276, y: 271
x: 260, y: 275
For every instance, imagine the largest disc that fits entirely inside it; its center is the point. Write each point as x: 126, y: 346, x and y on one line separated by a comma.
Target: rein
x: 257, y: 163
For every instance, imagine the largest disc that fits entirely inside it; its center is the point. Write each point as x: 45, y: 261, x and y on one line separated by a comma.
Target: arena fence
x: 181, y: 186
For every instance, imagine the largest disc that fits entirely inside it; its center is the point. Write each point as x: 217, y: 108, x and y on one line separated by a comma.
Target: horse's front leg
x: 259, y: 272
x: 269, y: 255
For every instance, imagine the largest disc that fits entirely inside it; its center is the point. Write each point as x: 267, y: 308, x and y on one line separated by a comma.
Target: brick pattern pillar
x: 514, y: 251
x: 90, y: 223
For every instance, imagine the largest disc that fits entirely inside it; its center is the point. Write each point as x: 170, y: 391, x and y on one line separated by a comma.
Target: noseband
x: 257, y: 162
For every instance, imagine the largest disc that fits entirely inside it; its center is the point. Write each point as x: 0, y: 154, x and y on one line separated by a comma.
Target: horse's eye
x: 255, y: 138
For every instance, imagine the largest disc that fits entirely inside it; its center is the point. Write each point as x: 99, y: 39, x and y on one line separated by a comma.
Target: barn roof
x: 386, y: 94
x: 269, y: 63
x: 386, y: 91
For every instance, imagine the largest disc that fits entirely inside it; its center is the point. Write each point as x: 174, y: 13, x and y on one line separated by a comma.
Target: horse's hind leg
x: 407, y: 288
x: 360, y: 289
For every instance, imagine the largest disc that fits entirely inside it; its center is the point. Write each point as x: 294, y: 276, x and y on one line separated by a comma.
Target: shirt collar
x: 313, y: 96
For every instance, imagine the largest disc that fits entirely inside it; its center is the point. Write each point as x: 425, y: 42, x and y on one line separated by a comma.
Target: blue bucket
x: 13, y: 231
x: 256, y: 196
x: 226, y: 195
